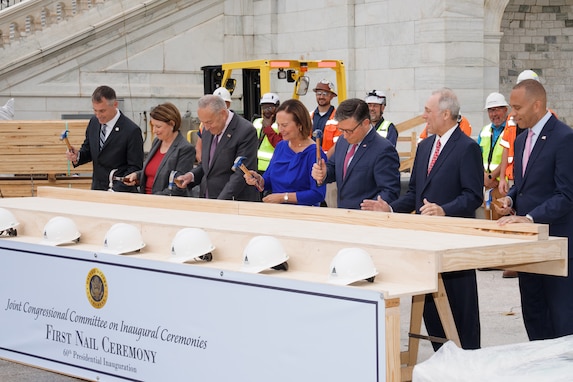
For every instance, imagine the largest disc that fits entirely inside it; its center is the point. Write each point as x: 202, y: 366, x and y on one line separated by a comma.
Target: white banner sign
x: 121, y: 318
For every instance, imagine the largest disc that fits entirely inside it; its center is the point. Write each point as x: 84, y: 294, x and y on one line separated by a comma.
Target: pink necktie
x: 435, y: 156
x: 527, y: 150
x: 349, y: 155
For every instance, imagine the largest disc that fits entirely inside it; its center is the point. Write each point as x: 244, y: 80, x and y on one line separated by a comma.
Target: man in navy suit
x: 112, y: 141
x: 364, y: 165
x: 542, y: 193
x: 445, y: 182
x: 226, y: 136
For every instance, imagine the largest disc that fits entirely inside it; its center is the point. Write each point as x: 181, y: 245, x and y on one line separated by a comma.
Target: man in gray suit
x: 226, y: 136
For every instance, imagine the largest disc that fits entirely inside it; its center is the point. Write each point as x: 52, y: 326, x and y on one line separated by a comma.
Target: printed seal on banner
x: 96, y: 288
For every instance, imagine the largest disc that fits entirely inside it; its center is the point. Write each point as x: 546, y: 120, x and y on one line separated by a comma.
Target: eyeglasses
x: 322, y: 94
x: 496, y: 109
x: 350, y: 131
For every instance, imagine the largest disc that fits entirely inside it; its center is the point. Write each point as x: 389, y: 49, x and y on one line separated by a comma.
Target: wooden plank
x: 35, y: 148
x: 392, y: 322
x: 310, y: 253
x: 410, y: 123
x: 18, y: 187
x: 478, y: 227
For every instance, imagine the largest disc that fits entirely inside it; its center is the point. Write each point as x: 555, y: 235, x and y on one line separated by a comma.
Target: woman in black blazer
x: 169, y: 152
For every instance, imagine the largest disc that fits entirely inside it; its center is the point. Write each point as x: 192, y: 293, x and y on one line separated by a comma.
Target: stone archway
x: 539, y: 37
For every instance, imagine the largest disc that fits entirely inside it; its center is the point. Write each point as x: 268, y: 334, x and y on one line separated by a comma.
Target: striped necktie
x: 102, y: 135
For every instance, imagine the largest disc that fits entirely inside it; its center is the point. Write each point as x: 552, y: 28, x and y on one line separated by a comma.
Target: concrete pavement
x: 501, y: 323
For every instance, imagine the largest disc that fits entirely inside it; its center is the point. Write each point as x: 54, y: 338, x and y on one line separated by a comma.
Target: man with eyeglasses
x: 376, y: 100
x: 364, y: 165
x: 323, y: 116
x: 267, y: 130
x: 446, y: 180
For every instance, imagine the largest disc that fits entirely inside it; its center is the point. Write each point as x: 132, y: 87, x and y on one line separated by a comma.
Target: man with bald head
x: 542, y: 193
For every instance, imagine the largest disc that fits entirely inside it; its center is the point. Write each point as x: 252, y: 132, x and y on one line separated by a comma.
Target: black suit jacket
x: 216, y: 176
x: 374, y: 170
x: 123, y: 150
x: 455, y: 183
x: 180, y: 157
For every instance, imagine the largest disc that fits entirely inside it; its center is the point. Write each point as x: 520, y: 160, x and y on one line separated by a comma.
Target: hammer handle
x: 246, y: 171
x: 67, y: 142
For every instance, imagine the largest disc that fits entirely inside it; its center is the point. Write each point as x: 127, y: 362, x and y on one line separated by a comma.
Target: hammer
x: 64, y: 137
x: 239, y: 164
x: 112, y: 178
x: 317, y: 134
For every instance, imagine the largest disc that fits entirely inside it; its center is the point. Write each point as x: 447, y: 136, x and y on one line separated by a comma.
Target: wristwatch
x: 285, y: 198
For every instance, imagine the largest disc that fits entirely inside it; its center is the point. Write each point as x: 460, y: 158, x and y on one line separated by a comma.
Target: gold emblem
x: 96, y: 288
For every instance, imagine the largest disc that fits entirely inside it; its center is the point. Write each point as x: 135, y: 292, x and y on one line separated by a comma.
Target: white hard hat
x: 122, y: 238
x: 223, y: 93
x: 376, y: 96
x: 351, y: 265
x: 8, y: 222
x: 527, y: 74
x: 495, y: 100
x: 189, y: 244
x: 59, y: 230
x: 264, y: 252
x: 270, y: 98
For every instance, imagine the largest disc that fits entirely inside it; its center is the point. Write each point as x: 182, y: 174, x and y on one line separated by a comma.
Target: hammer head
x: 111, y: 177
x: 64, y: 135
x: 238, y: 163
x: 317, y: 134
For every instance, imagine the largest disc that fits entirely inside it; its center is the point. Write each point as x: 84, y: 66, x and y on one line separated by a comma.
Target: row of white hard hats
x: 261, y: 253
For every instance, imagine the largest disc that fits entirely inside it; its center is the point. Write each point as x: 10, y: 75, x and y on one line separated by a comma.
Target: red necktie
x: 349, y: 155
x: 527, y: 151
x: 435, y: 156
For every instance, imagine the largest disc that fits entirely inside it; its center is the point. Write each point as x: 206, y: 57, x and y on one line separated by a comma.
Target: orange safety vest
x: 330, y: 133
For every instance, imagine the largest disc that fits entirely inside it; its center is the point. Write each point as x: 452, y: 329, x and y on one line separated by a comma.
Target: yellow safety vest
x: 490, y: 160
x: 383, y: 128
x: 266, y: 149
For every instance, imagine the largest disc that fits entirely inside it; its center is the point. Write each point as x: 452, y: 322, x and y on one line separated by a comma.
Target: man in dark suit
x: 226, y: 136
x: 542, y: 193
x: 445, y: 182
x: 112, y: 141
x: 373, y: 166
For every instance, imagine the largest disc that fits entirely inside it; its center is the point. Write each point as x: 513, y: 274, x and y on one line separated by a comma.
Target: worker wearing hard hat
x: 490, y: 135
x: 267, y: 130
x: 376, y: 100
x: 323, y: 116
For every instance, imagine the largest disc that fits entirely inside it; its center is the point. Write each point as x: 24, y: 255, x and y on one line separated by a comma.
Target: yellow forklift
x: 259, y: 77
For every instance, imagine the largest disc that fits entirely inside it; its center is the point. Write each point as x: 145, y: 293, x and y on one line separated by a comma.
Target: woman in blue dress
x: 288, y: 177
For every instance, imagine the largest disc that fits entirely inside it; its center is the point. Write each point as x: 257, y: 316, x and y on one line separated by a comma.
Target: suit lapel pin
x: 228, y: 135
x: 117, y: 129
x: 543, y: 137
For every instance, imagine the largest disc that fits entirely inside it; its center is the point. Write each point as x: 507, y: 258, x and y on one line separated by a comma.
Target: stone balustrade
x: 17, y: 21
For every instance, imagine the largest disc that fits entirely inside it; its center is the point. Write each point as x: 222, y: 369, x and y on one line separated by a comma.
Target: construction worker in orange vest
x: 323, y: 116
